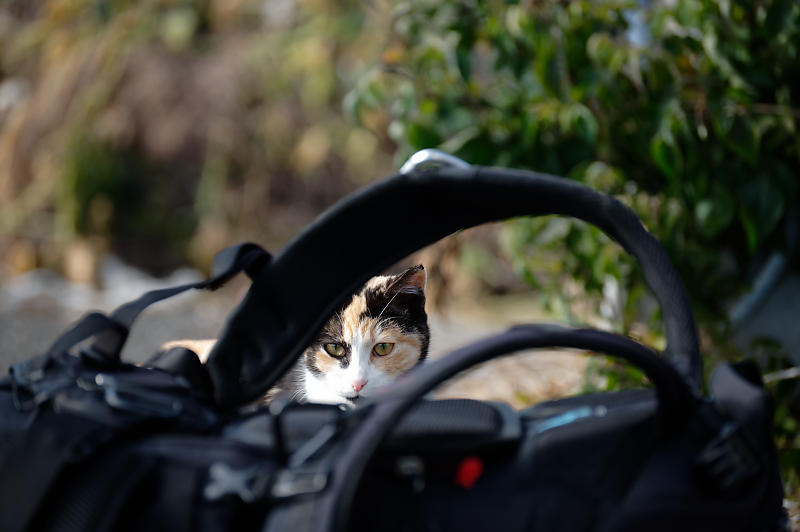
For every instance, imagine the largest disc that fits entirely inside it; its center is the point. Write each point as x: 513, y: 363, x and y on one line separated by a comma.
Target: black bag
x: 88, y: 442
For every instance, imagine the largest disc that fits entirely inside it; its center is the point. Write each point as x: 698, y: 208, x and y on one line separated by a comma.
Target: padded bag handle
x: 291, y: 299
x: 382, y: 413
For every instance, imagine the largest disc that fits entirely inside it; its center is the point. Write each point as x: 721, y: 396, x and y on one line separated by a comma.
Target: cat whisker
x: 387, y: 306
x: 319, y: 378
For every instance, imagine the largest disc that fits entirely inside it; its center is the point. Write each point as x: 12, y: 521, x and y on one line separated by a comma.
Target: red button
x: 469, y: 471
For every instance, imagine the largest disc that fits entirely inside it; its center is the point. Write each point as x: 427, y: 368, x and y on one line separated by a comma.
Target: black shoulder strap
x: 110, y: 332
x: 292, y: 298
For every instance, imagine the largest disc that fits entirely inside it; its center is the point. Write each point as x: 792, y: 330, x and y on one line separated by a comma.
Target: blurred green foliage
x: 686, y: 111
x: 786, y: 425
x: 689, y: 117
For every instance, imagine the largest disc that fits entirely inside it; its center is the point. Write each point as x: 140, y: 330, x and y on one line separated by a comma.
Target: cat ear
x: 411, y: 281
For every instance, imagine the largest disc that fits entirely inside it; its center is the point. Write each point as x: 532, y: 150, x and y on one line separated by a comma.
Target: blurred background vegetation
x: 163, y: 130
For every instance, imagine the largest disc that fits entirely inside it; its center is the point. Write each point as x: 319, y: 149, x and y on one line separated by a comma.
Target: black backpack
x: 89, y: 442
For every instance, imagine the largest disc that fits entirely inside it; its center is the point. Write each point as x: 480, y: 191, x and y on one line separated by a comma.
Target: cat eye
x: 334, y: 350
x: 383, y: 349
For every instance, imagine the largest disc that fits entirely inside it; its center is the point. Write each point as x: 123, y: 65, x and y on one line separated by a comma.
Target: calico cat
x: 379, y: 334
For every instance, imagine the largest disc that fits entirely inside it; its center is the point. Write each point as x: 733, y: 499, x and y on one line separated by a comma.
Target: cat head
x: 381, y: 333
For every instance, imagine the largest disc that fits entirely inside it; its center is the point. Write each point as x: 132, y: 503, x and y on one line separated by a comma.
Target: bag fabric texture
x: 89, y: 442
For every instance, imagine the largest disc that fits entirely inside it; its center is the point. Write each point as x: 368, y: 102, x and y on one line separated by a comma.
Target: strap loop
x: 110, y: 332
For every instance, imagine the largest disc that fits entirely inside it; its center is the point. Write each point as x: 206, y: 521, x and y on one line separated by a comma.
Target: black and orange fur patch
x: 393, y: 304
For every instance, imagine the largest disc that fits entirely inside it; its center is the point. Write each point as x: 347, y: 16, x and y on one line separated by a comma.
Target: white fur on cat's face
x: 388, y: 310
x: 341, y: 385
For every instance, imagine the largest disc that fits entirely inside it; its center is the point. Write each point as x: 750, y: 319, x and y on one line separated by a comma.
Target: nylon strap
x: 110, y: 332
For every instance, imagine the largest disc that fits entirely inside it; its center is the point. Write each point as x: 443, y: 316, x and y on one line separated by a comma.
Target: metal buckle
x: 430, y: 158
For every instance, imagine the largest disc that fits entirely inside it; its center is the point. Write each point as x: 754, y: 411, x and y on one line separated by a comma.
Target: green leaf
x: 750, y: 229
x: 351, y: 106
x: 737, y: 132
x: 744, y: 139
x: 666, y: 154
x: 601, y: 176
x: 721, y: 119
x: 600, y: 48
x: 715, y: 214
x: 547, y: 70
x: 763, y: 207
x: 555, y: 230
x: 463, y: 60
x: 579, y: 120
x: 421, y: 136
x: 478, y: 150
x: 529, y: 128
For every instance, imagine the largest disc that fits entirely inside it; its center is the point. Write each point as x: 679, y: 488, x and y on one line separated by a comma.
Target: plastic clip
x: 31, y: 385
x: 726, y: 465
x: 276, y: 409
x: 249, y: 484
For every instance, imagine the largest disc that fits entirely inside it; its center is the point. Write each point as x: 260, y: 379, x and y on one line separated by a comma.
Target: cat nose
x: 359, y: 384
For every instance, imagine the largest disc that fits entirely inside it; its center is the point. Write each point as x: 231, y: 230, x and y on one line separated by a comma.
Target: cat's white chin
x: 317, y: 391
x: 350, y: 403
x: 333, y: 400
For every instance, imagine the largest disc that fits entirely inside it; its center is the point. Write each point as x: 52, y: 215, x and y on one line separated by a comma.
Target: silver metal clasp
x: 432, y: 158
